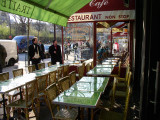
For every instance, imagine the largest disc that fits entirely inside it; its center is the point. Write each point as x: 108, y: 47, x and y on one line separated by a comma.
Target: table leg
x: 79, y: 112
x: 89, y: 113
x: 4, y: 108
x: 21, y: 93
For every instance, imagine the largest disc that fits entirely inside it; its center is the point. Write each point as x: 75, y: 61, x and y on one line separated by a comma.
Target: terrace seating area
x: 61, y: 92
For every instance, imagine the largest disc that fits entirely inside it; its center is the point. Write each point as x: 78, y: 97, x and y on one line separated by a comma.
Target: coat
x: 55, y: 57
x: 31, y: 52
x: 3, y: 55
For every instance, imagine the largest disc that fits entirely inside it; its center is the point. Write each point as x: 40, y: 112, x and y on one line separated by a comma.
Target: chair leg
x: 8, y: 112
x: 27, y: 113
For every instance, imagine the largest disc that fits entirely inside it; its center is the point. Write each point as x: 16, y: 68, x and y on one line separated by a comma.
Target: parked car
x: 22, y: 42
x: 12, y: 51
x: 46, y: 49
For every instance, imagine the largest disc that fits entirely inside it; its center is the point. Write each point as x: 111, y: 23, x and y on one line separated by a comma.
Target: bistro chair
x: 119, y: 71
x: 3, y: 77
x: 65, y: 70
x: 112, y: 115
x: 88, y: 67
x: 92, y: 65
x: 64, y: 83
x: 80, y: 70
x: 41, y: 66
x: 62, y: 113
x: 17, y: 72
x: 49, y: 64
x: 42, y: 82
x: 31, y: 68
x: 27, y: 102
x: 60, y: 72
x: 72, y: 77
x: 52, y: 77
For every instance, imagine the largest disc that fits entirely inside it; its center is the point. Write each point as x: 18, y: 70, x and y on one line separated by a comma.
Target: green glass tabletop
x: 110, y: 60
x: 96, y: 71
x: 11, y: 84
x: 111, y: 66
x: 109, y: 63
x: 78, y: 98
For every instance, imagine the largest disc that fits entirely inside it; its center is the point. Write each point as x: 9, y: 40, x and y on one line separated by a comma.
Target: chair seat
x: 19, y: 104
x: 69, y: 114
x: 110, y: 115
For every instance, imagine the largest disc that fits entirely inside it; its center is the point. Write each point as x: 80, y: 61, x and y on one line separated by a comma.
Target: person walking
x: 55, y: 52
x: 42, y: 49
x: 35, y: 52
x: 3, y: 55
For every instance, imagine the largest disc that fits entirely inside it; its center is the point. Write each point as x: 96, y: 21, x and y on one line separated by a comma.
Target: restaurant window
x: 78, y: 42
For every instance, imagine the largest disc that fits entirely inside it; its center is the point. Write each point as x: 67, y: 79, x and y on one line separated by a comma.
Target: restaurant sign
x: 101, y: 10
x: 78, y: 33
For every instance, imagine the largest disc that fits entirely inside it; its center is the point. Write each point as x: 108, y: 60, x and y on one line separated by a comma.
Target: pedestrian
x: 55, y: 52
x: 42, y: 50
x: 3, y: 55
x: 35, y: 52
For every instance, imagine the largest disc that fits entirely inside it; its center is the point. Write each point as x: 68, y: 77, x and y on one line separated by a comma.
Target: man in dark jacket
x: 55, y: 52
x: 42, y: 49
x: 3, y: 55
x: 35, y: 52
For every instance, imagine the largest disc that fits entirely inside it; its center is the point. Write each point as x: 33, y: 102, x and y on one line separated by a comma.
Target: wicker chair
x: 59, y: 72
x: 88, y: 67
x: 41, y: 66
x: 80, y: 70
x: 72, y: 77
x: 31, y: 68
x: 62, y: 114
x: 52, y: 77
x: 3, y: 77
x: 64, y: 83
x: 49, y: 64
x: 119, y: 71
x: 112, y: 115
x: 92, y: 65
x: 17, y: 72
x: 27, y: 102
x: 42, y: 82
x: 65, y: 70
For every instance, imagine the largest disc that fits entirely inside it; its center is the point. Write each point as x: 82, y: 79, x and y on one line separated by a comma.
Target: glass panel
x: 78, y: 98
x: 78, y: 42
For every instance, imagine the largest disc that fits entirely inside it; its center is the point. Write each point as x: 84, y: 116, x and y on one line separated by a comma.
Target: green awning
x: 52, y: 11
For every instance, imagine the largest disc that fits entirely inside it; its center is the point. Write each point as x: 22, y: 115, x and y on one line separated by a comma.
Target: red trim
x: 62, y: 47
x: 107, y: 5
x: 94, y: 40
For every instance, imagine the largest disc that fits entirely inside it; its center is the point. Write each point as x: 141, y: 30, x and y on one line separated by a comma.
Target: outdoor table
x: 105, y: 66
x: 14, y: 83
x: 99, y: 71
x: 84, y: 93
x: 93, y: 84
x: 109, y: 63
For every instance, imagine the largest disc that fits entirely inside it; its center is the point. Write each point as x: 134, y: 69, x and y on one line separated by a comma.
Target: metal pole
x: 62, y: 48
x: 54, y: 32
x: 28, y: 42
x: 94, y: 41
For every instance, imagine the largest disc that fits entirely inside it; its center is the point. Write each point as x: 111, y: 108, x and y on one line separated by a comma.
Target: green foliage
x: 4, y: 31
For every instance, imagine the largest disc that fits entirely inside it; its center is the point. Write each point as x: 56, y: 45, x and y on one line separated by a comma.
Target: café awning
x: 52, y: 11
